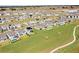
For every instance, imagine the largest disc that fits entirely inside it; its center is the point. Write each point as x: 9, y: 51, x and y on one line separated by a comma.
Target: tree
x: 13, y: 9
x: 3, y: 9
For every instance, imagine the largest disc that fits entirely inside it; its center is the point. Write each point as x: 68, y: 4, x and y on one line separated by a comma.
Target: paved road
x: 65, y: 45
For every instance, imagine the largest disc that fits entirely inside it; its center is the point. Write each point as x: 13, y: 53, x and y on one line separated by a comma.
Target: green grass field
x: 74, y: 48
x: 42, y: 40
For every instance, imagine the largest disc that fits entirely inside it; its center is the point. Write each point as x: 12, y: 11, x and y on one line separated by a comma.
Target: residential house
x: 21, y: 32
x: 2, y: 20
x: 13, y: 35
x: 12, y: 27
x: 3, y: 37
x: 4, y: 28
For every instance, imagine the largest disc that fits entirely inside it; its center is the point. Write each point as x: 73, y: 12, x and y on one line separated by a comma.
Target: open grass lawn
x: 42, y: 40
x: 74, y: 48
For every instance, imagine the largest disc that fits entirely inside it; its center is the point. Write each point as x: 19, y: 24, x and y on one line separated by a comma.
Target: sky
x: 38, y: 2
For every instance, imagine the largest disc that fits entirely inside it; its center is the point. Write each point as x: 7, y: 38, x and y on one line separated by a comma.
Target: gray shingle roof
x: 3, y: 36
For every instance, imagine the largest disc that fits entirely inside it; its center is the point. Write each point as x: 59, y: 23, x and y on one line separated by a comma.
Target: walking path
x: 65, y: 45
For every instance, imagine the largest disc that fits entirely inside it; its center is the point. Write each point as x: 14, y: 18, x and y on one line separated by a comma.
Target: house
x: 72, y: 16
x: 71, y: 11
x: 2, y: 20
x: 24, y: 31
x: 4, y: 28
x: 31, y: 23
x: 18, y: 25
x: 12, y: 27
x: 21, y: 32
x: 3, y: 37
x: 13, y: 36
x: 7, y: 14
